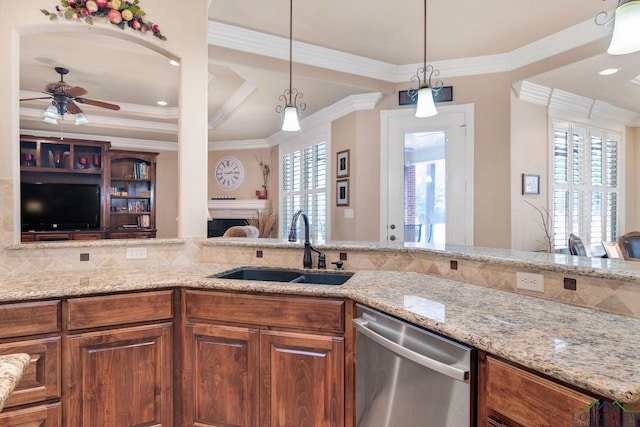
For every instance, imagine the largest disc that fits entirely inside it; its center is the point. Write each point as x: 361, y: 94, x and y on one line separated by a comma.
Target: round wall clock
x: 228, y: 173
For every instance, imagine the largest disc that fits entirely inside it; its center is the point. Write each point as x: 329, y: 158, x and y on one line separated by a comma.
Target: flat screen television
x: 53, y: 206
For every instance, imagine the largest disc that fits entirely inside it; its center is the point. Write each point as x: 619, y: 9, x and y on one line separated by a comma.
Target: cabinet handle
x: 361, y: 326
x: 494, y: 423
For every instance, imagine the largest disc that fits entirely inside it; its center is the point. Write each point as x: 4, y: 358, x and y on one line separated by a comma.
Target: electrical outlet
x: 136, y: 253
x: 530, y: 281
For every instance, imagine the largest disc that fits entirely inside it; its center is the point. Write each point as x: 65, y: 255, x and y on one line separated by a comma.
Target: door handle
x: 361, y: 325
x: 392, y: 237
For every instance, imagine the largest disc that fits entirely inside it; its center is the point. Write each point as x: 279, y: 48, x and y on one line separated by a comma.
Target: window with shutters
x: 586, y: 194
x: 304, y: 187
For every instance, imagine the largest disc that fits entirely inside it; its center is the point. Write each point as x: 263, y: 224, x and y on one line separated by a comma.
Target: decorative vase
x: 57, y: 158
x: 263, y: 193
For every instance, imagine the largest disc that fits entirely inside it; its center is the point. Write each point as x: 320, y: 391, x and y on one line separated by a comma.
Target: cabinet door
x: 302, y: 380
x: 119, y: 377
x: 516, y: 397
x: 37, y: 416
x: 221, y: 368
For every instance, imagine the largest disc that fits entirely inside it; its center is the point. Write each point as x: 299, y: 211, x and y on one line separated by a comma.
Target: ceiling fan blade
x: 73, y: 108
x: 31, y: 99
x: 76, y: 91
x: 98, y: 103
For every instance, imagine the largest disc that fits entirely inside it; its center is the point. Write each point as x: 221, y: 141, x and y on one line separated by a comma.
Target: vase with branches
x: 264, y: 222
x: 266, y: 173
x: 546, y: 224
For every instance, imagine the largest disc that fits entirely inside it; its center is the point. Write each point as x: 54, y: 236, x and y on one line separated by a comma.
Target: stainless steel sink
x: 284, y: 275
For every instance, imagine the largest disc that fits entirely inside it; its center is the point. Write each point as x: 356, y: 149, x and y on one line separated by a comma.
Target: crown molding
x: 232, y: 103
x: 575, y: 107
x: 116, y: 142
x: 254, y: 42
x: 246, y: 144
x: 166, y: 113
x: 348, y: 105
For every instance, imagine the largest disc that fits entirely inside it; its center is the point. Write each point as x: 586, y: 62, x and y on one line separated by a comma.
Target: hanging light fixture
x: 51, y: 115
x: 425, y: 107
x: 81, y: 119
x: 290, y: 96
x: 626, y: 28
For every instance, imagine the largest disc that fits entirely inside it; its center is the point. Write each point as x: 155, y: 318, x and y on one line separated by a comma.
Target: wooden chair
x: 630, y: 245
x: 576, y: 247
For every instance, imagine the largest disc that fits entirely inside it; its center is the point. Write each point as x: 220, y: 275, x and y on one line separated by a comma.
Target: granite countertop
x: 594, y: 266
x: 593, y: 350
x: 12, y: 367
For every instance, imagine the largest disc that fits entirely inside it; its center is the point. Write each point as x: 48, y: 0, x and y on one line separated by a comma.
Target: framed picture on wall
x: 342, y: 162
x: 530, y: 184
x: 342, y: 192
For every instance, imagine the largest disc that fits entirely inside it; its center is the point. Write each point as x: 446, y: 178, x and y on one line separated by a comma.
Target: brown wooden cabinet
x: 52, y: 166
x: 125, y: 179
x: 46, y: 415
x: 264, y: 360
x: 131, y: 195
x: 33, y: 328
x: 510, y: 396
x: 122, y: 376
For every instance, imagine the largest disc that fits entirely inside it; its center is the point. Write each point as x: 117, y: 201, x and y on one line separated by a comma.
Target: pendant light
x: 425, y: 106
x: 626, y: 27
x: 290, y: 96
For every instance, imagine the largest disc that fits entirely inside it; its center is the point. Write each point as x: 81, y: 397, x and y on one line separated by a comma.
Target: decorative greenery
x: 122, y: 13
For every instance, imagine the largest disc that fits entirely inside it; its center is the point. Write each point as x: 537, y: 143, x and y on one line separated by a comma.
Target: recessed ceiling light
x: 608, y: 71
x: 162, y: 103
x: 174, y: 63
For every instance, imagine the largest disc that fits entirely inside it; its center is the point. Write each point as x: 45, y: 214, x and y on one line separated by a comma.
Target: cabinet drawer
x: 110, y: 310
x: 531, y: 400
x: 291, y: 312
x: 87, y: 236
x: 49, y: 415
x: 29, y: 318
x: 41, y: 381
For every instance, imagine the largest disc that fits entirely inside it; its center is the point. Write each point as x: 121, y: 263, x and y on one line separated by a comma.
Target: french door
x: 426, y: 190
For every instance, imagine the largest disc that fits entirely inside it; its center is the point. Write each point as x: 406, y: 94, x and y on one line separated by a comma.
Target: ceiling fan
x: 64, y: 96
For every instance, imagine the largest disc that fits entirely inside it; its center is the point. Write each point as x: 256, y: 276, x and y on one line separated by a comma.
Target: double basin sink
x: 285, y: 275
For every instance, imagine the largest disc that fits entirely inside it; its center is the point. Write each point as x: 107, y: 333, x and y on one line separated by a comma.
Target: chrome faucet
x: 293, y: 236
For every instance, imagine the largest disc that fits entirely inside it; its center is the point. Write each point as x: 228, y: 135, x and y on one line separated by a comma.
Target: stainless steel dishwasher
x: 409, y: 377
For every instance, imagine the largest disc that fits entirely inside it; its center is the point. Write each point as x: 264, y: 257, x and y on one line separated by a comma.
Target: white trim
x: 157, y: 112
x: 250, y: 41
x: 237, y: 209
x: 245, y: 144
x: 116, y: 142
x: 576, y: 108
x: 385, y: 115
x: 232, y: 103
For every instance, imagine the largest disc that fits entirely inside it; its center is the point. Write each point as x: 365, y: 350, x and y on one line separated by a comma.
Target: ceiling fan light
x: 426, y: 107
x: 290, y: 122
x: 626, y: 29
x: 51, y: 113
x: 50, y: 120
x: 81, y: 119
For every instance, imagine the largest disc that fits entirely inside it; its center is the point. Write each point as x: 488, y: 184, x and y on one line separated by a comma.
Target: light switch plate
x: 348, y: 213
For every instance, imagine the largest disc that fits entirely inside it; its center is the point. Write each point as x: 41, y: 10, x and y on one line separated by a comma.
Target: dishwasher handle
x: 361, y: 326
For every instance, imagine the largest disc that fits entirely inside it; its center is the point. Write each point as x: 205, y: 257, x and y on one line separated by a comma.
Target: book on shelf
x: 144, y: 221
x: 141, y: 170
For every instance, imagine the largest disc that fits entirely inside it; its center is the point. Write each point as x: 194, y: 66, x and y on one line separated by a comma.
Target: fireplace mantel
x: 237, y: 209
